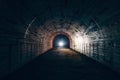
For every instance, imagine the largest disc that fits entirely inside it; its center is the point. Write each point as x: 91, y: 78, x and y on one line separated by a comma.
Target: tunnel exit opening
x: 61, y: 41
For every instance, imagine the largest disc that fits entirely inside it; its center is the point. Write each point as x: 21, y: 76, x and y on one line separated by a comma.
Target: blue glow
x: 61, y: 41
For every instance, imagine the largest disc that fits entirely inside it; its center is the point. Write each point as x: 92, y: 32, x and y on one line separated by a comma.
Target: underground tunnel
x: 61, y: 41
x: 41, y: 39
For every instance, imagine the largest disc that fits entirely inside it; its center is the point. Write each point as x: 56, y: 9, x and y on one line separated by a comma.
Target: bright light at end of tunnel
x: 61, y: 43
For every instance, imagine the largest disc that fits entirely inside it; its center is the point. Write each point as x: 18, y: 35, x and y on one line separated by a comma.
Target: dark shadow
x: 63, y: 64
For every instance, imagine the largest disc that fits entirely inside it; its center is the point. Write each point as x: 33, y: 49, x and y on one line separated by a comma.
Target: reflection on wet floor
x: 63, y: 64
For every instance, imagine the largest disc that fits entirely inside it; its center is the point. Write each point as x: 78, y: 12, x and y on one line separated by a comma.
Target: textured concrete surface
x: 63, y: 64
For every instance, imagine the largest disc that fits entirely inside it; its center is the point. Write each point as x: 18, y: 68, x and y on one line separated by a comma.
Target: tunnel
x: 59, y: 40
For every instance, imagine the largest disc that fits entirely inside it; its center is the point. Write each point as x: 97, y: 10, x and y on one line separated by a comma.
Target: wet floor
x: 63, y: 64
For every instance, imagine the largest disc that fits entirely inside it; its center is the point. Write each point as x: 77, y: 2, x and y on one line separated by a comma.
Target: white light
x: 61, y: 43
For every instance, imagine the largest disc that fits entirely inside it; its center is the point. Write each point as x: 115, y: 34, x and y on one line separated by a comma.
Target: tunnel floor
x: 63, y: 64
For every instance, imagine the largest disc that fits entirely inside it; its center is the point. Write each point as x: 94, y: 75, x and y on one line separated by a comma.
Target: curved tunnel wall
x: 99, y: 43
x: 26, y: 32
x: 94, y: 41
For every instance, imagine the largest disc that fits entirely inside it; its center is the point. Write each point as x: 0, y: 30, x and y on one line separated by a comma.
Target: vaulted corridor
x: 60, y: 39
x: 63, y: 64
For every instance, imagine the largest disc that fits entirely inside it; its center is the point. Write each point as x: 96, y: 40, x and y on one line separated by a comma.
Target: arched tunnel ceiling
x: 29, y: 26
x: 16, y: 16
